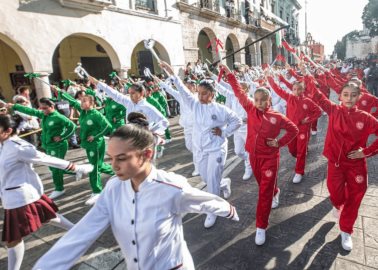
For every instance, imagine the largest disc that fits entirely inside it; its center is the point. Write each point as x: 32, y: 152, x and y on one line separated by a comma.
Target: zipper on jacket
x: 337, y: 163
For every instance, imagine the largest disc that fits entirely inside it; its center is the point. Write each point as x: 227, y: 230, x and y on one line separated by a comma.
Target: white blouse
x: 146, y: 224
x: 19, y: 183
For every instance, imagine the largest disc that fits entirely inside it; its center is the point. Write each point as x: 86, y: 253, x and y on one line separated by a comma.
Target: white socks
x: 15, y: 256
x: 61, y: 222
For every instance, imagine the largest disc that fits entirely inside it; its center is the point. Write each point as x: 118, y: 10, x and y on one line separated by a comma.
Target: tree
x: 370, y: 17
x: 340, y: 46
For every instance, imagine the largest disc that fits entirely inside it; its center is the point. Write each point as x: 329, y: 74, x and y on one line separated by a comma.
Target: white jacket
x: 206, y: 117
x: 19, y: 183
x: 158, y: 123
x: 146, y: 224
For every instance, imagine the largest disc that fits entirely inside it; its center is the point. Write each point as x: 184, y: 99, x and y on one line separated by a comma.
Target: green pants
x: 95, y: 156
x: 167, y: 134
x: 57, y: 174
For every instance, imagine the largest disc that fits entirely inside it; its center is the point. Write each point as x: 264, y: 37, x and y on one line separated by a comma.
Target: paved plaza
x: 302, y: 233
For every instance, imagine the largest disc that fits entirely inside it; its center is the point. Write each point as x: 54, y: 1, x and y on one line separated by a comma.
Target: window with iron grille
x: 145, y: 4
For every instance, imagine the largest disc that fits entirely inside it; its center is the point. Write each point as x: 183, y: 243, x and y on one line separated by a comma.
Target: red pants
x: 314, y: 125
x: 265, y: 171
x: 347, y: 185
x: 298, y: 148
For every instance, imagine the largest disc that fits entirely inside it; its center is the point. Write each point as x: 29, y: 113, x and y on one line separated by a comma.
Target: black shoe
x: 75, y: 146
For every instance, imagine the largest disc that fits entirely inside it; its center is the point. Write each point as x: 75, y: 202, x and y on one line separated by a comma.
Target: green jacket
x: 114, y: 111
x: 157, y: 105
x: 161, y: 99
x: 92, y: 123
x: 53, y: 125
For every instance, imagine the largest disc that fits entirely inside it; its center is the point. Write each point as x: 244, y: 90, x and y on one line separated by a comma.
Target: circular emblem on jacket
x: 219, y: 159
x: 273, y: 120
x: 113, y: 106
x: 268, y: 173
x: 51, y: 123
x: 364, y: 103
x: 359, y: 125
x: 302, y: 136
x: 89, y: 122
x: 305, y: 107
x: 359, y: 179
x: 91, y: 154
x: 52, y: 153
x: 214, y: 117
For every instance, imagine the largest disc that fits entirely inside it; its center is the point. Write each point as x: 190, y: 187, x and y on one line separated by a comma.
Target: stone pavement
x: 302, y: 232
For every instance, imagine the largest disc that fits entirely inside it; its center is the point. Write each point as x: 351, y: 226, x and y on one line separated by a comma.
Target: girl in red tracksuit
x: 346, y: 151
x: 263, y: 127
x: 302, y: 111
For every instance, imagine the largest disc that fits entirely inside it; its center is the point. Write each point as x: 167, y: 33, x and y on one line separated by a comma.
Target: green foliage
x: 370, y: 17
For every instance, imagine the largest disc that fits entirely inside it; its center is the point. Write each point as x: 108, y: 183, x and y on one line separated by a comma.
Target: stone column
x: 41, y: 88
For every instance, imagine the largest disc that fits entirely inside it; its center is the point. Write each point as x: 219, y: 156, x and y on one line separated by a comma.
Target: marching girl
x: 56, y: 130
x: 212, y: 124
x: 302, y: 111
x: 114, y: 112
x: 93, y: 127
x: 144, y: 207
x: 136, y: 103
x: 240, y: 135
x: 186, y: 119
x: 346, y: 151
x: 263, y: 128
x: 21, y: 190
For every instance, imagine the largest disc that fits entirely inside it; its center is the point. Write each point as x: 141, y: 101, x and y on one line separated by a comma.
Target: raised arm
x: 318, y: 97
x: 73, y: 102
x: 286, y: 82
x: 282, y: 93
x: 27, y: 110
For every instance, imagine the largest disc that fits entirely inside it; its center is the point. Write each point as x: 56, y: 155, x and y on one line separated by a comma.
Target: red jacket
x: 323, y: 86
x: 298, y: 107
x: 348, y: 129
x: 367, y: 102
x: 263, y: 125
x: 295, y: 75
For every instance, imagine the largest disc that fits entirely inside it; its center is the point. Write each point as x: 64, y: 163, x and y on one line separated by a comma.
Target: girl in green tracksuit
x: 56, y: 129
x: 115, y: 113
x: 93, y: 127
x: 161, y: 99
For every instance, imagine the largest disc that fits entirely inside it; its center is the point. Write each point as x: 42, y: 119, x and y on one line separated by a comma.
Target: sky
x: 329, y: 20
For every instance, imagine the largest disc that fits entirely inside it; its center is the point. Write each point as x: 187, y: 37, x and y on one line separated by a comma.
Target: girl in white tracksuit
x: 26, y: 207
x: 213, y: 123
x: 240, y: 135
x: 186, y: 118
x: 144, y: 207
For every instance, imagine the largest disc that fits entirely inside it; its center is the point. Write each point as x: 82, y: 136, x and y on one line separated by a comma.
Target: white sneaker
x: 226, y: 187
x: 195, y: 173
x: 92, y: 199
x: 324, y: 113
x: 210, y: 220
x: 82, y: 169
x: 160, y: 152
x: 247, y: 173
x: 260, y: 237
x: 314, y: 132
x: 336, y: 212
x: 297, y: 178
x: 168, y: 141
x: 55, y: 194
x: 346, y: 241
x: 276, y: 200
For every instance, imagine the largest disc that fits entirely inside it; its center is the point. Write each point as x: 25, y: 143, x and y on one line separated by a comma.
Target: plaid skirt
x: 22, y: 221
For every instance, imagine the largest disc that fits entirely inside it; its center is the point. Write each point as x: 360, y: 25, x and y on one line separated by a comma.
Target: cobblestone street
x: 302, y: 234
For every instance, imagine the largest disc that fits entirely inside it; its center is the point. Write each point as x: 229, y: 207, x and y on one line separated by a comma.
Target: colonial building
x: 51, y: 36
x: 361, y: 46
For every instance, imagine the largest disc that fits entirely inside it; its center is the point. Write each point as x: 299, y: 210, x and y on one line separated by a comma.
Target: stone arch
x: 14, y: 62
x: 98, y: 56
x: 232, y: 45
x: 141, y: 58
x: 204, y: 37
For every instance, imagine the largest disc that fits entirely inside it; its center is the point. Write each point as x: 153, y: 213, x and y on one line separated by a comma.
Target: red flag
x: 281, y: 58
x: 264, y: 66
x: 287, y: 46
x: 221, y: 72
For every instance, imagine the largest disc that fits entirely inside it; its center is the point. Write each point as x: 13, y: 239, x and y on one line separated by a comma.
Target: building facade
x: 51, y: 36
x: 361, y: 46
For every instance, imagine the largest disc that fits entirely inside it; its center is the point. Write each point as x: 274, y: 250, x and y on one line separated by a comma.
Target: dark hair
x: 137, y: 118
x: 47, y: 102
x: 208, y: 85
x: 80, y: 92
x: 8, y: 121
x: 138, y: 87
x: 22, y: 89
x: 135, y: 132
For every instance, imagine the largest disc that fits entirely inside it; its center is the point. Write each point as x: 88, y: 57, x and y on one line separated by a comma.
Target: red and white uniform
x: 348, y: 130
x: 261, y: 126
x: 299, y: 108
x: 367, y: 103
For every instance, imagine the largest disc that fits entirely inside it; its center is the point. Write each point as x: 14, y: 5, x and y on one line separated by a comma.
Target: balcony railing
x: 209, y: 4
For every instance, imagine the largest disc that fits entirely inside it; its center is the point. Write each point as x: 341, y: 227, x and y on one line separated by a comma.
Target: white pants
x: 189, y: 144
x: 210, y: 166
x: 239, y: 145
